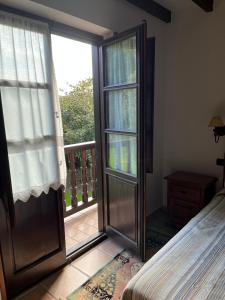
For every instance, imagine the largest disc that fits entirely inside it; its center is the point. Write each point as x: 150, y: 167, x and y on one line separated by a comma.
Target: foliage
x: 78, y: 113
x: 68, y: 197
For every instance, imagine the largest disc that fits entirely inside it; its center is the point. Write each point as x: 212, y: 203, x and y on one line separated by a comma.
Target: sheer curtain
x: 120, y: 70
x: 121, y: 62
x: 122, y: 109
x: 31, y: 107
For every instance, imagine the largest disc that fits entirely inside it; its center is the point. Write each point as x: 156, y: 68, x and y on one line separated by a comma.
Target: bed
x: 191, y: 265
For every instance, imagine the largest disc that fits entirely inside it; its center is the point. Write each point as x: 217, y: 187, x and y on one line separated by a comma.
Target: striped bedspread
x: 189, y: 266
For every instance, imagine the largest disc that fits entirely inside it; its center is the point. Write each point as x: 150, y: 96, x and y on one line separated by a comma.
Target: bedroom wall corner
x: 195, y: 91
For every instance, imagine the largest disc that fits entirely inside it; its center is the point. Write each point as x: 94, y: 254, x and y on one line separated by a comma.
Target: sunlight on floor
x: 60, y: 284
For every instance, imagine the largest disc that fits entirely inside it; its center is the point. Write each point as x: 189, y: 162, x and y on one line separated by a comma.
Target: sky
x: 72, y: 61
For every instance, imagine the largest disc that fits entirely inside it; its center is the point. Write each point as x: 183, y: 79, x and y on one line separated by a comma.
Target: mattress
x: 191, y: 265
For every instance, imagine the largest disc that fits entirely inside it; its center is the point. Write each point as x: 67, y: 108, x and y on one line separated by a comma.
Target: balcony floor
x: 81, y: 227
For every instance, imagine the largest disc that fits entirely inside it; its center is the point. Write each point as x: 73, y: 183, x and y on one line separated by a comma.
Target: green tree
x: 78, y: 113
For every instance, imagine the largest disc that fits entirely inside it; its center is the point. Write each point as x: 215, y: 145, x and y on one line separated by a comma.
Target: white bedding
x: 189, y: 266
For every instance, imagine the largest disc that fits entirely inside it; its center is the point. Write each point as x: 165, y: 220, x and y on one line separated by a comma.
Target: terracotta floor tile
x: 69, y: 230
x: 70, y: 242
x: 91, y: 221
x: 36, y: 293
x: 93, y: 214
x: 92, y: 261
x: 95, y: 226
x: 61, y: 284
x: 86, y: 219
x: 110, y: 247
x: 91, y: 230
x: 82, y: 226
x: 80, y: 236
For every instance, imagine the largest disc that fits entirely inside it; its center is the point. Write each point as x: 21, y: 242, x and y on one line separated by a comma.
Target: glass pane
x: 121, y: 62
x: 122, y: 153
x: 121, y: 107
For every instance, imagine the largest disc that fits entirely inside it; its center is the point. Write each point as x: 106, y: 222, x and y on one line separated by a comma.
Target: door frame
x: 98, y: 137
x: 93, y: 40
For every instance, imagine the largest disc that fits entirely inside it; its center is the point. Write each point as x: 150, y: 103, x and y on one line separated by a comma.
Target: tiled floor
x: 62, y: 283
x: 81, y: 227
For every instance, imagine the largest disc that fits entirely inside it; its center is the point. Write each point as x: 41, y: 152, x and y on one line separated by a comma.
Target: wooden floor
x: 64, y: 282
x: 81, y: 227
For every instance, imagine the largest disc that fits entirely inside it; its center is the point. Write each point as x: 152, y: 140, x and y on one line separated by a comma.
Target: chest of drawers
x: 187, y: 194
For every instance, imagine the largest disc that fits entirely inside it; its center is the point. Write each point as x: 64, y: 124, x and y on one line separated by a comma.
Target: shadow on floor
x: 159, y: 229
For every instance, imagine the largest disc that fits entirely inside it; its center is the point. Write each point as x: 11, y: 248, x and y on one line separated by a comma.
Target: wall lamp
x: 219, y: 128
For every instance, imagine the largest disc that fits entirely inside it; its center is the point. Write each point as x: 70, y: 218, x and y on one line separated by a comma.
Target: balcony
x: 80, y: 208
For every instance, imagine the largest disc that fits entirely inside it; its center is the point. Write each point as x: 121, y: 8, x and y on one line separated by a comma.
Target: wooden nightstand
x: 187, y: 194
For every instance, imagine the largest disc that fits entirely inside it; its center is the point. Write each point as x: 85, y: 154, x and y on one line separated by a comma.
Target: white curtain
x: 31, y: 107
x: 122, y: 109
x: 120, y: 69
x: 121, y: 62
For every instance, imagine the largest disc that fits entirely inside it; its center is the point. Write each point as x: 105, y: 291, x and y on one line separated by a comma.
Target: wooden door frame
x: 98, y: 137
x: 99, y: 164
x: 149, y: 124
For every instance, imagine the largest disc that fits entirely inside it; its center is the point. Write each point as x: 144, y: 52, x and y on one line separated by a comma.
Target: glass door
x: 122, y: 65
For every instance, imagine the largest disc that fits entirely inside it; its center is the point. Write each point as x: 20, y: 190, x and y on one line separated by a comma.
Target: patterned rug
x: 110, y: 281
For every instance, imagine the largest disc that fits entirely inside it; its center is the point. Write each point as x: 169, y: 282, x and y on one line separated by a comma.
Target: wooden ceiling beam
x: 206, y: 5
x: 153, y: 8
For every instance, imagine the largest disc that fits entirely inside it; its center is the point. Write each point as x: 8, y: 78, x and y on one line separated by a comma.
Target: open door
x: 32, y: 242
x: 122, y: 88
x: 31, y: 233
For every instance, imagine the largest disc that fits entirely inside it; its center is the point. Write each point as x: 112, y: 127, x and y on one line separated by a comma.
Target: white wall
x: 195, y: 91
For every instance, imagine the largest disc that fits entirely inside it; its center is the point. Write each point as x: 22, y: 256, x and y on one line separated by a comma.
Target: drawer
x: 183, y: 210
x: 184, y: 193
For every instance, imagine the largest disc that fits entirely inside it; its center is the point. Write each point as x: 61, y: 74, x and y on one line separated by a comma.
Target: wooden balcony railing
x: 81, y: 177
